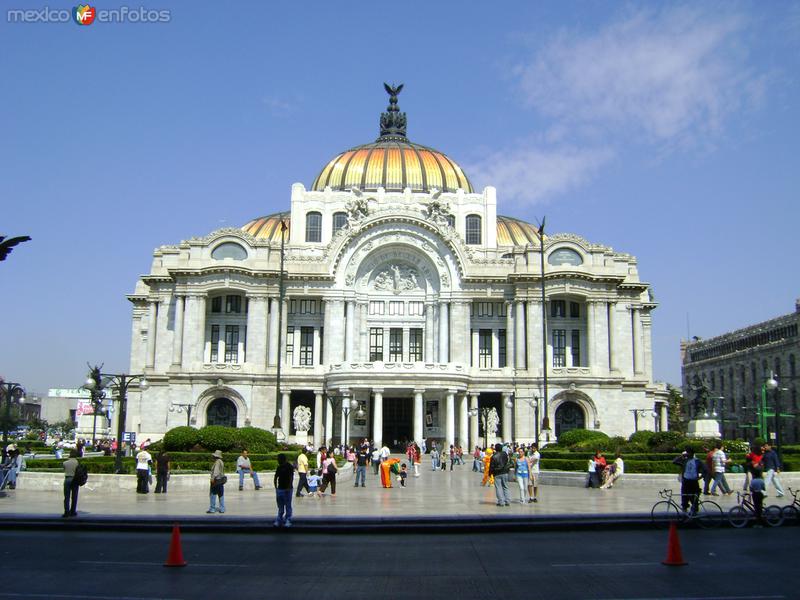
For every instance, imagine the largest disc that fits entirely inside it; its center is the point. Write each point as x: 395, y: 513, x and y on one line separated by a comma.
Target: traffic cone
x: 674, y: 555
x: 175, y: 555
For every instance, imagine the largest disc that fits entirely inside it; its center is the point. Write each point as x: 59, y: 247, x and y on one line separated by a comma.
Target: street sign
x: 128, y: 436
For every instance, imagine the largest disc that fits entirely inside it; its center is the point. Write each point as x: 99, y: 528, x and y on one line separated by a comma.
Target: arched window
x: 473, y: 229
x: 569, y: 415
x: 313, y: 227
x: 221, y: 412
x: 339, y: 221
x: 229, y: 250
x: 564, y: 256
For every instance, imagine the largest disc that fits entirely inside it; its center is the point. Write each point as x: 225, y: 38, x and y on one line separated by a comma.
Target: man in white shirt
x: 243, y: 467
x: 385, y: 453
x: 533, y: 473
x: 143, y: 460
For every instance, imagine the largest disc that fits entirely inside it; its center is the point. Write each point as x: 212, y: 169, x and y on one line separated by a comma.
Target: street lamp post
x: 772, y: 384
x: 120, y: 381
x: 276, y: 422
x: 546, y: 419
x: 718, y: 401
x: 641, y: 412
x: 347, y: 406
x: 14, y: 393
x: 180, y: 407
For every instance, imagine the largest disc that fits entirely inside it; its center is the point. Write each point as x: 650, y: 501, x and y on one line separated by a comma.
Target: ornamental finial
x: 393, y: 122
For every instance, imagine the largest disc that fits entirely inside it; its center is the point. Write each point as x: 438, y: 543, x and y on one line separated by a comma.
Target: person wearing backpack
x: 499, y: 468
x: 692, y: 470
x: 71, y: 485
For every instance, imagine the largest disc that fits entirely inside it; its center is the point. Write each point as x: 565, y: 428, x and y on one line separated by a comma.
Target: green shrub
x: 217, y: 437
x: 255, y: 440
x: 575, y: 436
x: 181, y: 438
x: 667, y: 441
x: 641, y: 437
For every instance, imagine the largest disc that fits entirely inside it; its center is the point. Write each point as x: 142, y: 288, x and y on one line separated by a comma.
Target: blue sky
x: 668, y: 131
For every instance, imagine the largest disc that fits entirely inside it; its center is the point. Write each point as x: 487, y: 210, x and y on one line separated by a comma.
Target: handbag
x: 221, y: 480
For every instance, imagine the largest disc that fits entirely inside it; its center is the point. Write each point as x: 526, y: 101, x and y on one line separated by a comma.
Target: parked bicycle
x: 741, y: 515
x: 708, y: 514
x: 791, y: 512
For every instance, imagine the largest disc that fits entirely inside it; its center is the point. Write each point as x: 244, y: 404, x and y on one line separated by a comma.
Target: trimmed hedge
x: 577, y: 436
x: 181, y: 438
x: 216, y: 437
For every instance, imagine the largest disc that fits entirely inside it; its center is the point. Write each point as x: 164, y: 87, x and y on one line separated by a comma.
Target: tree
x: 677, y: 410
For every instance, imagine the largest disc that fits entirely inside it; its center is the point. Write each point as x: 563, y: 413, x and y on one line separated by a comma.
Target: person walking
x: 521, y: 469
x: 71, y: 486
x: 244, y: 467
x: 477, y: 466
x: 284, y: 476
x: 329, y: 471
x: 499, y: 468
x: 752, y: 461
x: 718, y: 463
x: 434, y: 457
x: 417, y: 460
x: 488, y: 478
x: 162, y: 472
x: 708, y: 474
x: 692, y: 469
x: 453, y: 456
x: 302, y: 473
x: 534, y: 458
x: 218, y: 480
x: 361, y: 467
x: 772, y: 467
x: 376, y: 461
x: 143, y: 461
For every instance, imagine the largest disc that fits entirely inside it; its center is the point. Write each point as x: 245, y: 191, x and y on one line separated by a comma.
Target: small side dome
x: 269, y: 227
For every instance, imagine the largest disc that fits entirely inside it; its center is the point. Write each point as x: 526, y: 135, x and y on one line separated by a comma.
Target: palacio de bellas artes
x: 392, y: 288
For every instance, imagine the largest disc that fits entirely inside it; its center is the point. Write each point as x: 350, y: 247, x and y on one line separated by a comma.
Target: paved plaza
x: 445, y: 494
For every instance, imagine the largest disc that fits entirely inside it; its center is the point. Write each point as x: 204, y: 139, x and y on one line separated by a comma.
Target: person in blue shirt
x: 772, y: 466
x: 757, y: 488
x: 522, y: 475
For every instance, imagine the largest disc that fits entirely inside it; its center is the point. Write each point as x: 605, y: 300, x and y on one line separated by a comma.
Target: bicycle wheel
x: 738, y: 516
x: 664, y: 513
x: 790, y: 514
x: 773, y: 516
x: 709, y: 515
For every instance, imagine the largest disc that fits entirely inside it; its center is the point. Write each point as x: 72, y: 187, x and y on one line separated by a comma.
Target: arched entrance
x: 221, y: 412
x: 569, y: 415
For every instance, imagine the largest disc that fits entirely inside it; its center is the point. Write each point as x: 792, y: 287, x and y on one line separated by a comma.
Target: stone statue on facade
x: 302, y: 418
x: 492, y: 421
x: 438, y: 211
x: 396, y: 279
x: 357, y: 209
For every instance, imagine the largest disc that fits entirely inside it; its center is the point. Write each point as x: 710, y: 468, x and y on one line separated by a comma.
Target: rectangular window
x: 321, y: 343
x: 339, y: 221
x: 395, y: 345
x: 574, y: 310
x: 233, y: 304
x: 558, y: 308
x: 216, y: 304
x: 502, y: 309
x: 308, y: 307
x: 215, y: 342
x: 485, y: 309
x: 576, y: 348
x: 415, y: 345
x: 307, y: 346
x: 416, y: 309
x: 502, y: 359
x: 292, y: 307
x: 289, y: 344
x: 376, y: 344
x: 232, y: 342
x: 396, y: 308
x: 376, y: 307
x: 485, y: 348
x: 559, y: 347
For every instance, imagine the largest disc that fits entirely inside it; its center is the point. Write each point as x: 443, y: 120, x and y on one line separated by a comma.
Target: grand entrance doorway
x: 398, y: 426
x: 221, y: 412
x: 569, y: 416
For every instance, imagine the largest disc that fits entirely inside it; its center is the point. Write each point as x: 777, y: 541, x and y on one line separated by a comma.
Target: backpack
x: 81, y: 475
x: 690, y: 470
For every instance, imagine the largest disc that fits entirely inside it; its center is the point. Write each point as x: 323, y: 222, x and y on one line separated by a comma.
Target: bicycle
x: 790, y: 512
x: 740, y: 515
x: 708, y: 514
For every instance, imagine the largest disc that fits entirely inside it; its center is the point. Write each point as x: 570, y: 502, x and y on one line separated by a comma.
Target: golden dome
x: 392, y: 162
x: 510, y: 231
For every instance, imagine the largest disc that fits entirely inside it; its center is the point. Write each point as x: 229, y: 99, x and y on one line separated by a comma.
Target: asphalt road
x: 742, y: 565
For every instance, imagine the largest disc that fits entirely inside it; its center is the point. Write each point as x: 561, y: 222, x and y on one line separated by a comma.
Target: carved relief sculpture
x: 302, y: 418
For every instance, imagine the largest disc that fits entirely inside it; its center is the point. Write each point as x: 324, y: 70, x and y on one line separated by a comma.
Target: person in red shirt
x: 708, y: 474
x: 752, y: 461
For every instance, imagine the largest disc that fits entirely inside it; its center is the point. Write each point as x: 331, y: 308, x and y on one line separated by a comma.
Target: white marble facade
x: 400, y: 307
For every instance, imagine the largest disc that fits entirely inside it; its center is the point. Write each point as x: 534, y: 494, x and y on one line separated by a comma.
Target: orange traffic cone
x: 674, y: 555
x: 175, y: 556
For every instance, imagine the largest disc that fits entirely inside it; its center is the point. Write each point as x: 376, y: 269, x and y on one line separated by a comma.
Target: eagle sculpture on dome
x: 392, y: 91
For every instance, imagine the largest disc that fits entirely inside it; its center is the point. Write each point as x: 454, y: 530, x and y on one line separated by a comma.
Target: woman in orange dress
x: 487, y: 477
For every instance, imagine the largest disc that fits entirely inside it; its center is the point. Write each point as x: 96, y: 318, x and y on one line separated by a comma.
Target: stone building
x: 734, y: 366
x: 407, y: 296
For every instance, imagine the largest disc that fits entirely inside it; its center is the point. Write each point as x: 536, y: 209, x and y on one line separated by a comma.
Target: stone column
x: 612, y: 351
x: 463, y: 424
x: 519, y: 335
x: 273, y: 331
x: 177, y: 340
x: 534, y: 325
x: 418, y: 416
x: 467, y: 326
x: 152, y: 317
x: 350, y: 330
x: 430, y: 334
x: 326, y: 338
x: 335, y: 342
x: 476, y: 342
x: 363, y: 333
x: 196, y: 333
x: 506, y: 427
x: 663, y: 414
x: 377, y: 416
x: 444, y: 335
x: 345, y: 421
x: 459, y: 345
x: 591, y: 337
x: 600, y: 366
x: 328, y: 422
x: 509, y: 334
x: 638, y: 357
x: 286, y: 417
x: 450, y: 416
x: 473, y: 423
x: 319, y: 434
x: 256, y: 336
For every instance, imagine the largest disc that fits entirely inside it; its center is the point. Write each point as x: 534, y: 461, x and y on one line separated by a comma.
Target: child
x: 313, y: 483
x: 757, y: 489
x: 403, y: 474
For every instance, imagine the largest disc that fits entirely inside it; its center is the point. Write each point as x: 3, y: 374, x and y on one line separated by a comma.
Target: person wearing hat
x: 13, y: 464
x: 218, y: 480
